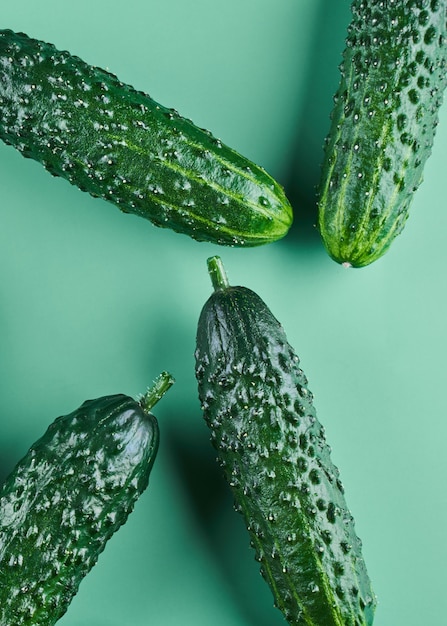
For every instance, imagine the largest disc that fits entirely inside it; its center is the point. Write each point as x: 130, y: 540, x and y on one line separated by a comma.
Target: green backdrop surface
x: 93, y: 302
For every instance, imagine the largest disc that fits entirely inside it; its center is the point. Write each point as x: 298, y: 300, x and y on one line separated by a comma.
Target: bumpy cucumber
x: 272, y: 448
x: 117, y: 143
x: 393, y: 76
x: 64, y: 500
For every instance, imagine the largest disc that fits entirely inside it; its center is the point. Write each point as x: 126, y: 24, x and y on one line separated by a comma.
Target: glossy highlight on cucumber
x: 274, y: 455
x: 64, y: 500
x: 393, y: 78
x: 117, y: 143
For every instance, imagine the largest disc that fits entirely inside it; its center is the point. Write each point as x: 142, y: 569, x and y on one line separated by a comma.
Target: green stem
x: 159, y: 387
x: 217, y: 273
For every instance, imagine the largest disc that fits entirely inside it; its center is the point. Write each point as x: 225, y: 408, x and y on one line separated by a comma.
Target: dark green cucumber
x: 117, y: 143
x: 393, y: 77
x: 64, y: 500
x: 272, y: 448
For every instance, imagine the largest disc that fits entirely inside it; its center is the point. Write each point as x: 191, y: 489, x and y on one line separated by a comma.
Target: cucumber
x: 273, y: 452
x: 64, y: 500
x: 117, y: 143
x: 393, y: 77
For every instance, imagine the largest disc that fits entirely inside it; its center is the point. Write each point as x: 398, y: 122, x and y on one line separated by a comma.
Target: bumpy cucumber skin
x: 393, y: 76
x: 273, y: 452
x: 64, y: 500
x: 117, y: 143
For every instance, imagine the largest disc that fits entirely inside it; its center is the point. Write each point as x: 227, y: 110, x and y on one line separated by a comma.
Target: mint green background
x: 93, y: 301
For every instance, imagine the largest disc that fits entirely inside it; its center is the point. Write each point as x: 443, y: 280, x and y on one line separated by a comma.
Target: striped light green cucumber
x: 64, y: 500
x: 393, y: 77
x: 273, y: 452
x: 117, y: 143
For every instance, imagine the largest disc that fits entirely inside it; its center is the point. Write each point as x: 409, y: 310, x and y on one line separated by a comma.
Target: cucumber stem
x: 160, y: 386
x: 217, y: 273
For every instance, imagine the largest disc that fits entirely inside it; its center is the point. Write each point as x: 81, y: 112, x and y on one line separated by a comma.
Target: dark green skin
x: 117, y: 143
x: 393, y: 77
x: 274, y: 455
x: 64, y: 500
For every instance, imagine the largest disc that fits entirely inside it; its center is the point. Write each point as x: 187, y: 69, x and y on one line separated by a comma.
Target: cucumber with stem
x: 273, y: 452
x: 117, y: 143
x: 65, y: 499
x: 393, y: 78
